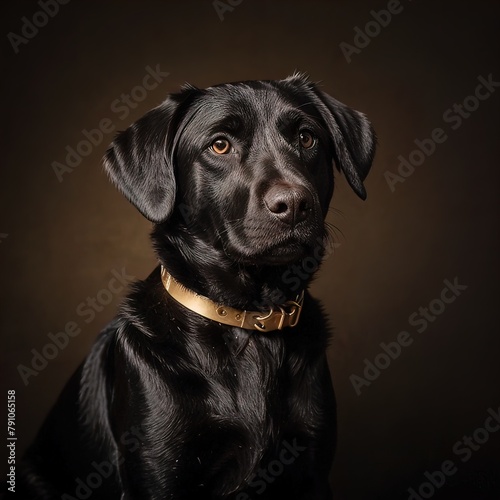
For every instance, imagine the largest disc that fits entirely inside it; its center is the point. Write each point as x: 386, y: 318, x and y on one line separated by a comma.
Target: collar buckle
x: 287, y: 315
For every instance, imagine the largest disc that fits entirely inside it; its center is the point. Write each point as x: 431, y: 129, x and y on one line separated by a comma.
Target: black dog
x: 208, y: 384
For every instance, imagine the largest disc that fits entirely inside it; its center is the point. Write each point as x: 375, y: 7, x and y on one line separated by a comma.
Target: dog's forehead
x: 260, y: 101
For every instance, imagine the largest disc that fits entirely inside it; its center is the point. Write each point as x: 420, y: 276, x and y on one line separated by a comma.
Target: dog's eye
x: 307, y: 139
x: 221, y: 146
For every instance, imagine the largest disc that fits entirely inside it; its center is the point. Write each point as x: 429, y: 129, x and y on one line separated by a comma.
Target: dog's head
x: 248, y: 166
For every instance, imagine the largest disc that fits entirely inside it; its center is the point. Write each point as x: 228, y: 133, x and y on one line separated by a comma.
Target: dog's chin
x: 283, y: 255
x: 277, y: 255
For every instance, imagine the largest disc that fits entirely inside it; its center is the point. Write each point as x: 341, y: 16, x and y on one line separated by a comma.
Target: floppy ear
x: 354, y: 140
x: 140, y: 162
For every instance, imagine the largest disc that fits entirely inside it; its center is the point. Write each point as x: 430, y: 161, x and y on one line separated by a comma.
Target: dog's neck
x: 210, y: 272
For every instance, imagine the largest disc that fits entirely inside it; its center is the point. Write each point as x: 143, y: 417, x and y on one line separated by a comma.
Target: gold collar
x: 277, y: 318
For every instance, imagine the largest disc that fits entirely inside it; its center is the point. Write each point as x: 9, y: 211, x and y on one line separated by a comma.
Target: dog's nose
x: 290, y: 204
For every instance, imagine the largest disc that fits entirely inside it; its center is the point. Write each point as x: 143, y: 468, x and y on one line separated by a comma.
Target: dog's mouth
x: 285, y: 253
x: 284, y: 250
x: 276, y: 256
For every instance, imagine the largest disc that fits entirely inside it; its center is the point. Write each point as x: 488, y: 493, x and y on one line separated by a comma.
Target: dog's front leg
x: 151, y: 427
x: 313, y: 417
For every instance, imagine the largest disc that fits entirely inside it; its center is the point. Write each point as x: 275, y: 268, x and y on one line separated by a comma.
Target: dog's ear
x: 354, y: 140
x: 353, y: 137
x: 140, y: 160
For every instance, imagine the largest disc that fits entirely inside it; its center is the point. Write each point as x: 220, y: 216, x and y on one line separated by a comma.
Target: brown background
x: 395, y: 249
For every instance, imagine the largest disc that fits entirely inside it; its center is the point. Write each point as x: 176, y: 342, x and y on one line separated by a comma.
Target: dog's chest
x: 252, y: 386
x: 248, y: 412
x: 257, y: 391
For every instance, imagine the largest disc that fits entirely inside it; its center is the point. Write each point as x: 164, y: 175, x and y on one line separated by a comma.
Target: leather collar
x: 276, y: 318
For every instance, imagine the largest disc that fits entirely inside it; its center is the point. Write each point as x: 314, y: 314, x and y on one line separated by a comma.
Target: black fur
x: 170, y: 405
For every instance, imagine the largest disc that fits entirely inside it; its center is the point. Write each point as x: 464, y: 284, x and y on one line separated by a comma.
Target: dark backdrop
x: 60, y: 242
